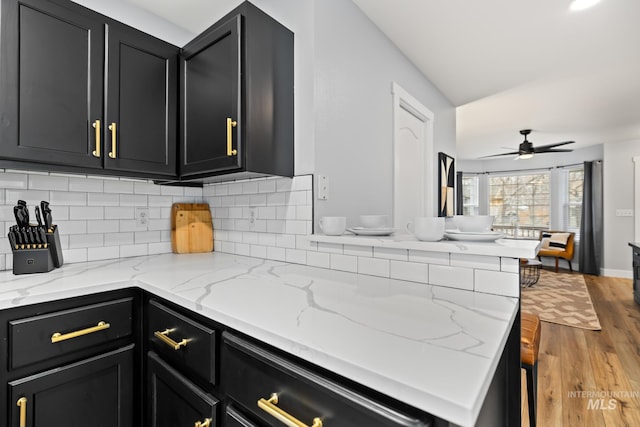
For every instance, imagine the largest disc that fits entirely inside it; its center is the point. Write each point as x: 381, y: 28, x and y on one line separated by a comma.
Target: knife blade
x: 43, y: 235
x: 38, y: 216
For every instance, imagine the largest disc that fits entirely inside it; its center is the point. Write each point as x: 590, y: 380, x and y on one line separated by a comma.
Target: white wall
x: 618, y: 194
x: 355, y: 65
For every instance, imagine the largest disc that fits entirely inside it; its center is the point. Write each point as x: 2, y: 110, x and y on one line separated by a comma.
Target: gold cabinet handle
x: 101, y: 326
x: 112, y: 128
x: 205, y: 423
x: 230, y: 124
x: 164, y: 337
x: 22, y: 403
x: 96, y: 126
x: 269, y: 406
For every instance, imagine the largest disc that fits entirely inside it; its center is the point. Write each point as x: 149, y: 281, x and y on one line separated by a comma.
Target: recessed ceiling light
x: 582, y: 4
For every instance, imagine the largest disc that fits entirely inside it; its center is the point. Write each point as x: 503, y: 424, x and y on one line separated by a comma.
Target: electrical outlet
x: 323, y: 187
x: 142, y: 217
x: 252, y: 217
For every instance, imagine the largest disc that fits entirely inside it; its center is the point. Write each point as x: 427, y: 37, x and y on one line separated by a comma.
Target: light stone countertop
x: 435, y: 348
x: 505, y: 247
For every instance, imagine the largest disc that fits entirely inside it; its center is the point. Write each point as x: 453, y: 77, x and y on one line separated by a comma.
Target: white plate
x: 482, y: 233
x: 487, y: 236
x: 362, y: 231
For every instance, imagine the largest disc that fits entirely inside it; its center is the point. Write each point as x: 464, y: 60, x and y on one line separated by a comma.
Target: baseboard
x: 610, y: 272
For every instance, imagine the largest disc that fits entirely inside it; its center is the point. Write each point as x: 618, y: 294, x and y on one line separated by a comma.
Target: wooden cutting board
x: 191, y: 228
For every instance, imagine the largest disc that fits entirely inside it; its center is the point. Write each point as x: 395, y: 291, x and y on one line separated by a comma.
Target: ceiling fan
x: 526, y: 150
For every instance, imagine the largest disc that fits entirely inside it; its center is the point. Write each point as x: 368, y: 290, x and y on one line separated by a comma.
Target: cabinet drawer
x: 234, y: 418
x: 186, y: 344
x: 176, y: 401
x: 38, y: 338
x: 252, y: 376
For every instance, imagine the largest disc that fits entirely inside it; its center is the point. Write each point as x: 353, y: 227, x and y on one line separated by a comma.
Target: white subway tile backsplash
x: 242, y: 249
x: 32, y: 197
x: 250, y: 187
x: 391, y: 253
x: 86, y: 185
x: 86, y: 241
x: 285, y: 240
x: 105, y: 252
x: 318, y: 259
x: 146, y: 188
x: 334, y: 248
x: 118, y: 212
x: 134, y: 250
x: 296, y: 256
x: 70, y: 227
x: 86, y: 212
x: 452, y: 277
x: 267, y: 186
x: 475, y: 261
x: 363, y: 251
x: 48, y: 182
x: 497, y: 282
x: 510, y: 265
x: 171, y: 191
x: 146, y: 237
x: 412, y: 271
x: 373, y: 266
x: 258, y: 251
x: 15, y: 181
x: 118, y: 186
x: 344, y: 262
x: 75, y: 255
x: 234, y: 188
x: 427, y: 257
x: 102, y: 199
x: 66, y: 198
x: 103, y: 226
x: 277, y: 254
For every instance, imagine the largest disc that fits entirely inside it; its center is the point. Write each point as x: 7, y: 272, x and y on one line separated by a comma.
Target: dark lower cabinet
x: 95, y: 392
x: 270, y: 387
x: 176, y: 401
x: 234, y: 418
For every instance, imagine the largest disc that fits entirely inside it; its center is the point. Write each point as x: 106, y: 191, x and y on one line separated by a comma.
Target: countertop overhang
x: 434, y: 348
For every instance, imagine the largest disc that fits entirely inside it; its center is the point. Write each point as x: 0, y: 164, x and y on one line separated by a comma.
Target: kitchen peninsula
x: 433, y: 348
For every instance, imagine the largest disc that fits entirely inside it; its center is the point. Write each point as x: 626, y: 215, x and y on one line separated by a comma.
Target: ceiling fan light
x: 582, y: 4
x: 525, y: 156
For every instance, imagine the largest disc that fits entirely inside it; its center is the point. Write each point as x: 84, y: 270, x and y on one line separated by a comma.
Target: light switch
x: 624, y: 212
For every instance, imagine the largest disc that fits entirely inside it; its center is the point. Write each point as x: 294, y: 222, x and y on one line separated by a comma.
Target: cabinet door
x: 234, y: 418
x: 211, y: 89
x: 51, y: 68
x: 96, y: 392
x: 176, y: 401
x: 141, y: 103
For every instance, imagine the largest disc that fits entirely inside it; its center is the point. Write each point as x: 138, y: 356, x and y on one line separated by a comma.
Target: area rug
x: 563, y: 299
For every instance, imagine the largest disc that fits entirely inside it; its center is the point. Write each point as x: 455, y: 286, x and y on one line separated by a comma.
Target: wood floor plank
x: 573, y: 360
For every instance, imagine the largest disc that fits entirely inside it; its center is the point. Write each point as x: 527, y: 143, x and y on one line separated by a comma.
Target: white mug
x: 428, y: 229
x: 333, y: 225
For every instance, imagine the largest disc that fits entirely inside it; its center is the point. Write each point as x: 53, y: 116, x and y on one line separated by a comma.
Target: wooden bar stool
x: 529, y: 346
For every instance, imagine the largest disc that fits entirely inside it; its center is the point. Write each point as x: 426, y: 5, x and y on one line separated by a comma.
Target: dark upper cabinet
x: 236, y: 98
x: 141, y: 102
x: 51, y: 71
x: 55, y: 78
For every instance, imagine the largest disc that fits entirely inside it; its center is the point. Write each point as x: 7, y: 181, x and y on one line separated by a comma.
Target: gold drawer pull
x: 205, y: 423
x: 164, y: 337
x: 230, y: 124
x: 112, y: 128
x: 22, y: 403
x: 269, y: 406
x: 101, y: 326
x: 96, y: 125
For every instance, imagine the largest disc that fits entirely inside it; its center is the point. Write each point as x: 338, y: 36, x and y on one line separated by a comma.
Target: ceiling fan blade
x: 498, y: 155
x: 543, y: 148
x: 549, y: 150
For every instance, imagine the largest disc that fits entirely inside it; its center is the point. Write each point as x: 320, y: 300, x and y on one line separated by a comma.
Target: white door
x: 413, y: 181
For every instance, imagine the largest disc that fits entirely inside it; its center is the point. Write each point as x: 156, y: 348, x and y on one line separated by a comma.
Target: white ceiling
x: 506, y: 64
x: 519, y: 64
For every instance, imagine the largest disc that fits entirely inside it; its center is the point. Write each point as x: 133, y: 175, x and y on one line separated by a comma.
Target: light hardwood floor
x: 603, y: 364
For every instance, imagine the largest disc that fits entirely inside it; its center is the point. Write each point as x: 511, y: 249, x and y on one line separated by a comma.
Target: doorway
x: 413, y: 159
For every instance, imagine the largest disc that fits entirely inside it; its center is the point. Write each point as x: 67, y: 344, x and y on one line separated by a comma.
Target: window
x: 573, y: 206
x: 470, y: 199
x: 520, y: 202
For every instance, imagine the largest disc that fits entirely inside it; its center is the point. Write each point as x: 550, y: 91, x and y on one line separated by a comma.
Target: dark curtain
x: 459, y: 204
x: 590, y: 256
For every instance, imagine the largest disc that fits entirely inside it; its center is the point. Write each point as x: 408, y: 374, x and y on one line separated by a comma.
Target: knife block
x: 53, y: 239
x: 32, y: 261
